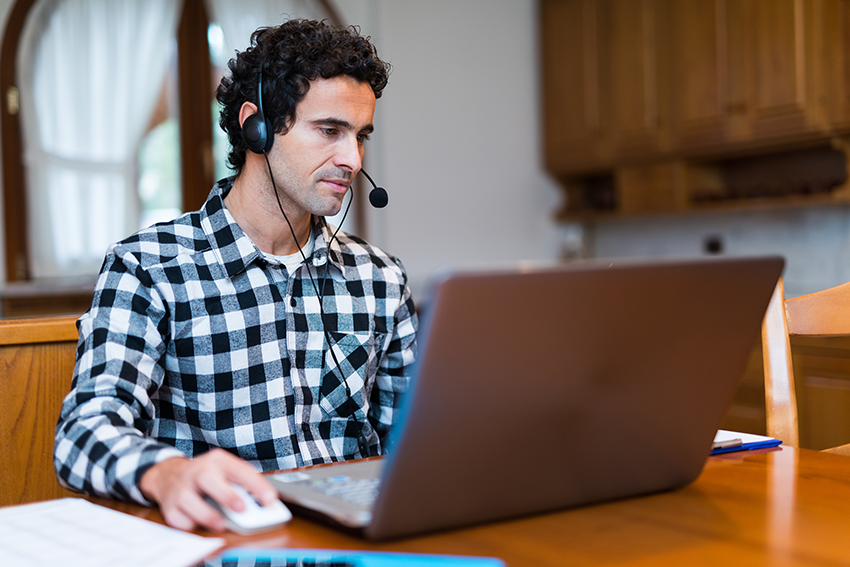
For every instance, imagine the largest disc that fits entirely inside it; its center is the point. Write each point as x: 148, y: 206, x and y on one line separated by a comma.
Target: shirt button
x: 305, y: 427
x: 292, y: 302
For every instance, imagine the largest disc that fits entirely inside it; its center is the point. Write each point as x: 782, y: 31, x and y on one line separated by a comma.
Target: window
x: 90, y: 73
x: 86, y: 172
x: 194, y: 155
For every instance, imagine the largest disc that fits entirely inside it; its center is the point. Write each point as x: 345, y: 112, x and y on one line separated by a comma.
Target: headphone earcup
x: 255, y: 132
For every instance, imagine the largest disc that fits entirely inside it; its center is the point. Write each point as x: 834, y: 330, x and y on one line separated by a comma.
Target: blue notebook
x: 731, y: 441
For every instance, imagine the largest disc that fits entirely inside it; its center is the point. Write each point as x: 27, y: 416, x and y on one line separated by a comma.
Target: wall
x: 458, y: 135
x: 815, y: 241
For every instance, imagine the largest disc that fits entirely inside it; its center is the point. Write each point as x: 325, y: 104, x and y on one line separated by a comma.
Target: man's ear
x: 247, y: 109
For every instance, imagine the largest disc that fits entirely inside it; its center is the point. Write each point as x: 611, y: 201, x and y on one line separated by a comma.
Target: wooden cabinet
x: 576, y: 93
x: 605, y: 93
x: 771, y: 91
x: 701, y: 64
x: 757, y: 71
x: 674, y: 83
x: 638, y: 33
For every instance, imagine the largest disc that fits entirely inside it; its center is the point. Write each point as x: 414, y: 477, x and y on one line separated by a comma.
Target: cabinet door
x: 606, y: 81
x: 752, y: 72
x: 827, y: 33
x: 575, y: 96
x: 770, y: 78
x: 638, y: 33
x: 700, y: 72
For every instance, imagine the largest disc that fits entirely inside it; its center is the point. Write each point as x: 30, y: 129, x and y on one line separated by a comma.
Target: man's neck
x: 255, y: 209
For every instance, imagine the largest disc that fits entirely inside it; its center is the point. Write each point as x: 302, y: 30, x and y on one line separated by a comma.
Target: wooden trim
x: 38, y: 330
x: 36, y: 369
x: 822, y: 313
x: 359, y: 206
x: 779, y: 389
x: 14, y: 176
x: 195, y: 95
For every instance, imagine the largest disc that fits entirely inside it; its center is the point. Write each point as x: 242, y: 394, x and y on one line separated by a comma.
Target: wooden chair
x: 824, y: 313
x: 36, y: 366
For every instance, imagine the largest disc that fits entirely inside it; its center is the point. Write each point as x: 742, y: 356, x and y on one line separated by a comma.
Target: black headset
x: 256, y: 128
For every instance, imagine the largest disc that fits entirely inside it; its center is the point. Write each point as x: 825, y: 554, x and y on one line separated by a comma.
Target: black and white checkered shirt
x: 196, y: 339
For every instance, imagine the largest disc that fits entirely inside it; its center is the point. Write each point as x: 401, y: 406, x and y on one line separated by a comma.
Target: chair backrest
x: 36, y: 366
x: 824, y: 313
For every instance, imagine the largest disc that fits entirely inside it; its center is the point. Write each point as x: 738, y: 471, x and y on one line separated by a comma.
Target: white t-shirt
x: 292, y: 261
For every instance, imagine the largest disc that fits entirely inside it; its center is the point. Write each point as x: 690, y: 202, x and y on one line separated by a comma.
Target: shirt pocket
x: 352, y: 359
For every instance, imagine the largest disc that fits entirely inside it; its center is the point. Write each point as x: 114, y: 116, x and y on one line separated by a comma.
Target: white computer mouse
x: 254, y: 518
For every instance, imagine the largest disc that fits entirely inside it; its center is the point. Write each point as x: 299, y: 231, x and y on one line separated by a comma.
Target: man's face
x: 316, y: 160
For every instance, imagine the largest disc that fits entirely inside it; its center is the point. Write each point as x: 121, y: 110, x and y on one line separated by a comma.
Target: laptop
x: 543, y: 389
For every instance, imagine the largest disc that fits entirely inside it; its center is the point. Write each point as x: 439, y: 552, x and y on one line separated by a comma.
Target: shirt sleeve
x: 396, y: 365
x: 102, y: 445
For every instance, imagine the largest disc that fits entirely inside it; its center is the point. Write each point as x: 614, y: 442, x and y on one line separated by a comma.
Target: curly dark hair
x: 289, y: 57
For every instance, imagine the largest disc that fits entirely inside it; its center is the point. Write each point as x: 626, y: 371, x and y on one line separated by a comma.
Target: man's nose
x: 350, y: 154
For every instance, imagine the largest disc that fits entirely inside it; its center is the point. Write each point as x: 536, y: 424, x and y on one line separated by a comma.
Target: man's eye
x: 362, y: 138
x: 329, y: 131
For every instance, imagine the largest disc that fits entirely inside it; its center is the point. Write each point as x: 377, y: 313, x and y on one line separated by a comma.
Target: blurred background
x: 115, y: 109
x: 511, y: 130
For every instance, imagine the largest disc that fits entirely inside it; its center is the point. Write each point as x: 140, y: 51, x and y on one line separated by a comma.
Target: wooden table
x: 771, y: 507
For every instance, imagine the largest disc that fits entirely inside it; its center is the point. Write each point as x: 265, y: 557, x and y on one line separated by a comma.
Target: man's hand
x: 178, y: 485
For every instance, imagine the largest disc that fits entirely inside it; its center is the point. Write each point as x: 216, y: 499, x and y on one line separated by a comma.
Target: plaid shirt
x: 196, y: 339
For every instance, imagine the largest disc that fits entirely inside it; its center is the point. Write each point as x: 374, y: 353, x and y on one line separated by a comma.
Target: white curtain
x: 91, y: 74
x: 239, y: 18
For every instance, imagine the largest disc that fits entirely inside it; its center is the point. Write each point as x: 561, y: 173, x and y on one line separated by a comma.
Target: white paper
x: 724, y: 435
x: 74, y: 532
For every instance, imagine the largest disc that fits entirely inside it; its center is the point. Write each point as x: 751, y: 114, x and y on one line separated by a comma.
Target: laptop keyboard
x: 360, y: 491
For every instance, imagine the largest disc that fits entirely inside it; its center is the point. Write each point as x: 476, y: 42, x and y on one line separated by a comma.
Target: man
x: 246, y: 336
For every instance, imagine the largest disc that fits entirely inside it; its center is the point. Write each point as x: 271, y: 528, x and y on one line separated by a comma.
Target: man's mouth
x: 338, y: 185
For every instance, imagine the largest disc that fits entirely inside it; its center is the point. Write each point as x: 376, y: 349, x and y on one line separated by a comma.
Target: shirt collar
x: 236, y: 251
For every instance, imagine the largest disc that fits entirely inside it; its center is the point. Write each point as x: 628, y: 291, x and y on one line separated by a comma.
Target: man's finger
x: 198, y: 512
x: 245, y: 475
x: 219, y: 488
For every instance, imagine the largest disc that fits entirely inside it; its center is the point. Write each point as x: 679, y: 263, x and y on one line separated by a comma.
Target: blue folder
x: 343, y: 558
x: 731, y: 441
